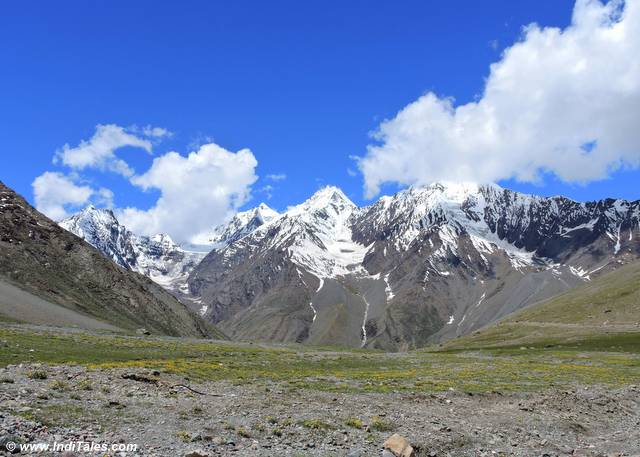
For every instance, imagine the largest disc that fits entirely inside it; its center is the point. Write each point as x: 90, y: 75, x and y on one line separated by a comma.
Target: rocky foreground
x: 168, y: 415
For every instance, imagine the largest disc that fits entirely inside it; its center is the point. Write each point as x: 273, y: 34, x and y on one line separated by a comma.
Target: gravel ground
x: 161, y: 415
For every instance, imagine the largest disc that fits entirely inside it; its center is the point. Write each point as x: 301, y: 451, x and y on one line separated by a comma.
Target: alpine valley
x: 426, y: 265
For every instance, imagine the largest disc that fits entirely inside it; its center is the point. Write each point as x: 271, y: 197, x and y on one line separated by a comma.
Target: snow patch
x: 387, y: 288
x: 616, y: 248
x: 364, y: 321
x: 580, y: 273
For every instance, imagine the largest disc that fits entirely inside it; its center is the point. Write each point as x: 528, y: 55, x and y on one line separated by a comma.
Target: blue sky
x: 301, y: 84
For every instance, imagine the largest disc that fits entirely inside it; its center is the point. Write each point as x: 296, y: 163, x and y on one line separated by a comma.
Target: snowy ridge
x: 448, y: 257
x: 325, y: 244
x: 157, y: 257
x: 494, y: 220
x: 329, y: 236
x: 241, y: 225
x: 316, y: 235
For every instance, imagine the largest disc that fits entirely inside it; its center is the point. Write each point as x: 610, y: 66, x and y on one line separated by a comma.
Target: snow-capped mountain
x: 65, y: 282
x: 157, y: 257
x: 425, y: 264
x: 241, y: 224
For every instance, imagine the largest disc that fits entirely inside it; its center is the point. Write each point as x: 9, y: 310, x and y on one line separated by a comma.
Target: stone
x: 386, y: 453
x: 198, y: 453
x: 139, y: 378
x: 398, y: 446
x: 355, y: 453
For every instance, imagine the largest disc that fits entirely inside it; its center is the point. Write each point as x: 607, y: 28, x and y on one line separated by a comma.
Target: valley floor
x: 171, y: 397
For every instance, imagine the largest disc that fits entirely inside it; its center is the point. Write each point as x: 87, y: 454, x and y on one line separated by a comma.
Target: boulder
x: 398, y: 446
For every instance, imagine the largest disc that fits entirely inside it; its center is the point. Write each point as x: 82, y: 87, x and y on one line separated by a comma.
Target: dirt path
x: 612, y: 326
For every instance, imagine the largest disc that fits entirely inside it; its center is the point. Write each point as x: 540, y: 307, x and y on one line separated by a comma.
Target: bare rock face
x: 43, y: 259
x: 422, y: 266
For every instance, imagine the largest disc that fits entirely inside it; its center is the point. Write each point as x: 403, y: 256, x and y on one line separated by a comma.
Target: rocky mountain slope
x: 46, y: 261
x: 157, y: 257
x: 425, y: 265
x: 602, y: 313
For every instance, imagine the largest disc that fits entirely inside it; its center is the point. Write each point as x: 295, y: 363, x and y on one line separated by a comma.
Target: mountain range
x: 50, y: 276
x: 425, y: 265
x: 157, y: 257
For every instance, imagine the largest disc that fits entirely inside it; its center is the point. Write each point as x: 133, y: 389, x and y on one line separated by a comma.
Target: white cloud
x: 268, y: 191
x: 277, y: 177
x: 104, y: 197
x: 55, y: 192
x: 565, y: 102
x: 156, y: 132
x: 99, y: 151
x: 197, y: 192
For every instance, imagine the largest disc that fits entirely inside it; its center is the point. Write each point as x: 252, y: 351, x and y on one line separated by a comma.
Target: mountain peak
x: 242, y: 223
x: 90, y: 215
x: 328, y: 195
x: 264, y: 212
x: 164, y: 239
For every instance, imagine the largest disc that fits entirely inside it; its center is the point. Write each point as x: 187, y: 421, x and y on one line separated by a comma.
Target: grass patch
x: 58, y: 385
x: 84, y: 384
x: 316, y: 424
x: 183, y: 436
x: 243, y: 432
x: 353, y: 422
x: 609, y: 361
x: 380, y: 425
x: 37, y: 374
x: 197, y: 410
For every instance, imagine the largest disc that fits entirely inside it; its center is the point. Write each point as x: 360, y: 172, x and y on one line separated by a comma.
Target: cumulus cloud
x: 55, y: 192
x: 561, y: 101
x: 99, y: 151
x: 197, y: 192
